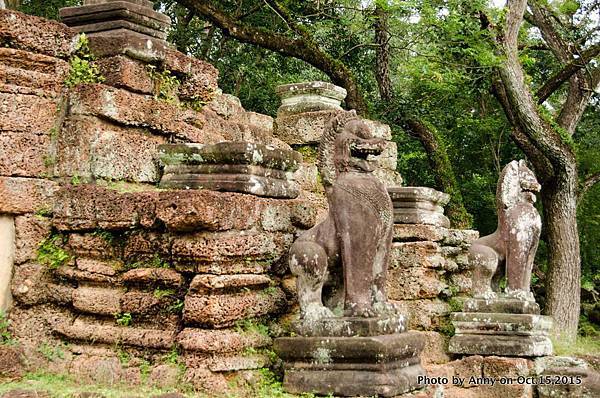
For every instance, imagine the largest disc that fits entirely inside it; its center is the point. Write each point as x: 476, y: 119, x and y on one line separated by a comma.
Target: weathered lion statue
x: 357, y: 233
x: 511, y: 248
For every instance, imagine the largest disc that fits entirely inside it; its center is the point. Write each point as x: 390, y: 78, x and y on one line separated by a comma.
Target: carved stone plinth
x: 352, y: 326
x: 501, y: 326
x: 419, y: 205
x: 112, y: 17
x: 385, y: 365
x: 309, y: 97
x: 230, y: 166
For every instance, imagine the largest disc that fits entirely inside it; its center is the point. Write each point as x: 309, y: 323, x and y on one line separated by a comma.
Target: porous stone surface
x: 429, y: 265
x: 158, y: 116
x: 238, y: 167
x: 92, y: 148
x: 221, y: 310
x: 113, y: 17
x: 37, y: 35
x: 509, y: 345
x: 26, y: 195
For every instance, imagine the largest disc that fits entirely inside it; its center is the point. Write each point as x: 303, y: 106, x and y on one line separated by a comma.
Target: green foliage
x: 43, y: 212
x: 145, y: 370
x: 52, y: 351
x: 5, y: 335
x: 165, y: 85
x: 49, y: 160
x: 82, y: 69
x: 584, y: 345
x: 162, y: 293
x: 309, y: 153
x: 455, y: 304
x: 176, y: 307
x: 124, y: 319
x: 51, y: 254
x: 251, y: 326
x: 46, y: 8
x: 76, y: 180
x: 107, y: 236
x: 155, y: 262
x: 269, y: 291
x: 172, y: 357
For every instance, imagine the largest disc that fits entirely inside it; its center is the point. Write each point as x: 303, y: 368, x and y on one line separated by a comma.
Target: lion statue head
x: 517, y: 184
x: 347, y: 145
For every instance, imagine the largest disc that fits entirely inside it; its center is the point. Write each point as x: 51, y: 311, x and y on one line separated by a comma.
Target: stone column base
x: 501, y: 326
x: 509, y: 346
x: 385, y: 365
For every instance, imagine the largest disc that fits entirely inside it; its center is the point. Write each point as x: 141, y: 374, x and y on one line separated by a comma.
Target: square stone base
x: 503, y: 326
x: 354, y: 382
x: 501, y: 345
x: 385, y: 365
x: 352, y: 326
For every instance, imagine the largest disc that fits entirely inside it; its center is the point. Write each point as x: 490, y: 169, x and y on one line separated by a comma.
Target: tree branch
x: 589, y: 182
x: 520, y: 101
x: 303, y: 48
x: 566, y: 72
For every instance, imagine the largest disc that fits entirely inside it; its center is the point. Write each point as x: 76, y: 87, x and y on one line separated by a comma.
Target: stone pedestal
x: 309, y: 97
x: 230, y: 166
x: 115, y: 17
x: 352, y: 357
x: 419, y: 205
x: 501, y: 326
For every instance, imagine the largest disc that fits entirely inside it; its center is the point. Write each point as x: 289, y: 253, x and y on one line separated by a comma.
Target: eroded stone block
x: 38, y: 35
x: 220, y: 341
x: 30, y: 231
x: 505, y: 345
x: 204, y: 284
x: 219, y: 311
x: 97, y: 300
x: 26, y: 195
x: 136, y: 110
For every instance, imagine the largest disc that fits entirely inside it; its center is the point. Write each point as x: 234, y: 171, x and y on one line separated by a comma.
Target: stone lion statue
x: 511, y: 248
x: 357, y: 233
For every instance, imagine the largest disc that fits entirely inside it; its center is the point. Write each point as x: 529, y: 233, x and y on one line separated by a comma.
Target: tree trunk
x: 555, y: 160
x: 563, y: 282
x: 382, y: 63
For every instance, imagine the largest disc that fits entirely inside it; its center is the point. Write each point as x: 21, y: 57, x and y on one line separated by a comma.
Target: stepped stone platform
x: 419, y: 205
x: 115, y: 16
x: 501, y: 326
x: 233, y: 166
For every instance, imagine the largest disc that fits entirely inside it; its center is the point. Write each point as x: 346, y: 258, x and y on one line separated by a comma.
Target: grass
x: 583, y: 345
x: 64, y: 386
